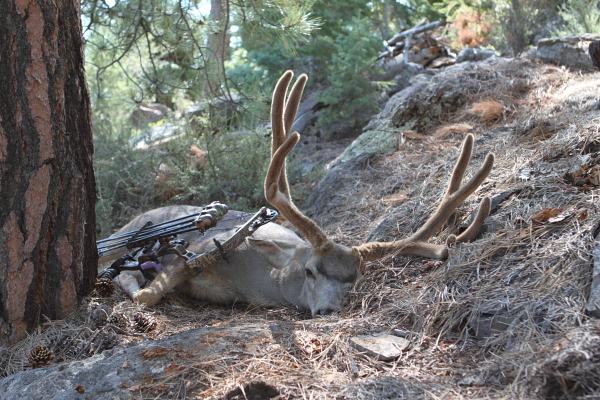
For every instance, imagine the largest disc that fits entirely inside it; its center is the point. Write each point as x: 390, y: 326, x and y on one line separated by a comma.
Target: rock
x: 593, y: 305
x: 323, y: 197
x: 125, y: 371
x: 393, y: 67
x: 149, y: 113
x: 380, y: 345
x: 307, y: 112
x: 471, y: 54
x: 570, y: 51
x: 403, y: 75
x: 446, y: 92
x: 396, y: 101
x: 383, y: 139
x: 156, y: 135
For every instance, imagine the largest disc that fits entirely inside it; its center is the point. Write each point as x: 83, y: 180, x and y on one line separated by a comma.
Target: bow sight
x: 154, y: 241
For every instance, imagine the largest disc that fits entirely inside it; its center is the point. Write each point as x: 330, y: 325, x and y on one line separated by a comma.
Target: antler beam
x: 283, y: 113
x: 455, y: 195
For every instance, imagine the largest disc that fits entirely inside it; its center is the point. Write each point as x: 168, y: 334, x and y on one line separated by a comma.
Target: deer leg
x: 164, y: 281
x: 129, y: 284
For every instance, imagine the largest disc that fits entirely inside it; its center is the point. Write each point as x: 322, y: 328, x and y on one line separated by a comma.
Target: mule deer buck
x: 275, y: 266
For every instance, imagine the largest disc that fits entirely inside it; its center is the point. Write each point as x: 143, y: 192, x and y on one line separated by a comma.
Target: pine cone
x: 40, y: 356
x: 105, y: 287
x: 75, y: 350
x: 99, y: 316
x: 144, y: 322
x: 119, y: 320
x: 104, y: 341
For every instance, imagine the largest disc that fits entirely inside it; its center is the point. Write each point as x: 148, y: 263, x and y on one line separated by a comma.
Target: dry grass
x: 487, y: 110
x: 503, y: 318
x: 454, y: 130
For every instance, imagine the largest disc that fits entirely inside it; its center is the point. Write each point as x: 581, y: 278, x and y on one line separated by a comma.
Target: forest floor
x: 504, y: 317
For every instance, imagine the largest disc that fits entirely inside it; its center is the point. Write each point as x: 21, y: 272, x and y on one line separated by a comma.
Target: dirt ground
x: 503, y: 318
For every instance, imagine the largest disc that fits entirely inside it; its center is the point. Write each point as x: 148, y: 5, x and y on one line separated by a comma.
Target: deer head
x: 329, y: 269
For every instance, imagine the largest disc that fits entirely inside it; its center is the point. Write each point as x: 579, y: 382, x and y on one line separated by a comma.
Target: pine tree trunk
x: 47, y: 191
x: 216, y: 48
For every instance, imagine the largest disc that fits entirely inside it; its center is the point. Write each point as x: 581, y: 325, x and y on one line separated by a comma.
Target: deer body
x: 275, y: 266
x: 268, y: 270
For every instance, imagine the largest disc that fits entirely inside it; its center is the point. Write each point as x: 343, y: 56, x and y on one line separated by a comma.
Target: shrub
x: 580, y: 16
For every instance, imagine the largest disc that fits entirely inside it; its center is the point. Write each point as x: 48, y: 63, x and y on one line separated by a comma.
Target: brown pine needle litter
x: 503, y: 318
x: 487, y: 110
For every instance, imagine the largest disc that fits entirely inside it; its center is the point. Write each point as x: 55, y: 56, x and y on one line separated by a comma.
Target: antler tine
x: 277, y: 109
x: 272, y: 190
x: 311, y: 231
x: 461, y: 165
x: 455, y: 195
x: 293, y: 101
x: 276, y: 185
x: 473, y: 230
x: 283, y: 113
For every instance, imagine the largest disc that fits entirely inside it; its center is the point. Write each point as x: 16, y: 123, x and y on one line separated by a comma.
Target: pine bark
x: 48, y: 256
x: 216, y: 48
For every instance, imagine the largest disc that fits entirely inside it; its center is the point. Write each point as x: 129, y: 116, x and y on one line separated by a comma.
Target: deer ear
x: 278, y: 252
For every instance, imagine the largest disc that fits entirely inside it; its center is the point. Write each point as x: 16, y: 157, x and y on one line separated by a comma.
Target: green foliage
x: 158, y: 49
x: 339, y: 57
x: 350, y: 95
x: 233, y: 173
x: 132, y: 179
x: 125, y: 180
x: 580, y: 16
x: 516, y: 22
x: 509, y: 24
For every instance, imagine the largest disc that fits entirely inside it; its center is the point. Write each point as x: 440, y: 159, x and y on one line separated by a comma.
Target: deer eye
x: 309, y: 273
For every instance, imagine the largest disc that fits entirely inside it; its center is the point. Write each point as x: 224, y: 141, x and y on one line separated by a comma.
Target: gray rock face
x: 570, y: 51
x: 404, y: 73
x: 470, y: 54
x: 380, y: 345
x: 122, y: 372
x: 383, y: 139
x: 413, y: 108
x: 324, y: 196
x: 445, y: 93
x: 149, y: 113
x: 307, y: 113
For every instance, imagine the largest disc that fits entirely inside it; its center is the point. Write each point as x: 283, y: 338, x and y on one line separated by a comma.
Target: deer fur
x: 275, y: 266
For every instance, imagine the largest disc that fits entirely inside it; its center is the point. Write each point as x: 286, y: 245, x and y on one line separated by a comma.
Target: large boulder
x: 130, y: 370
x: 383, y: 139
x: 570, y: 51
x: 403, y: 76
x: 471, y: 54
x: 326, y: 195
x: 308, y: 112
x: 149, y: 113
x: 446, y: 92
